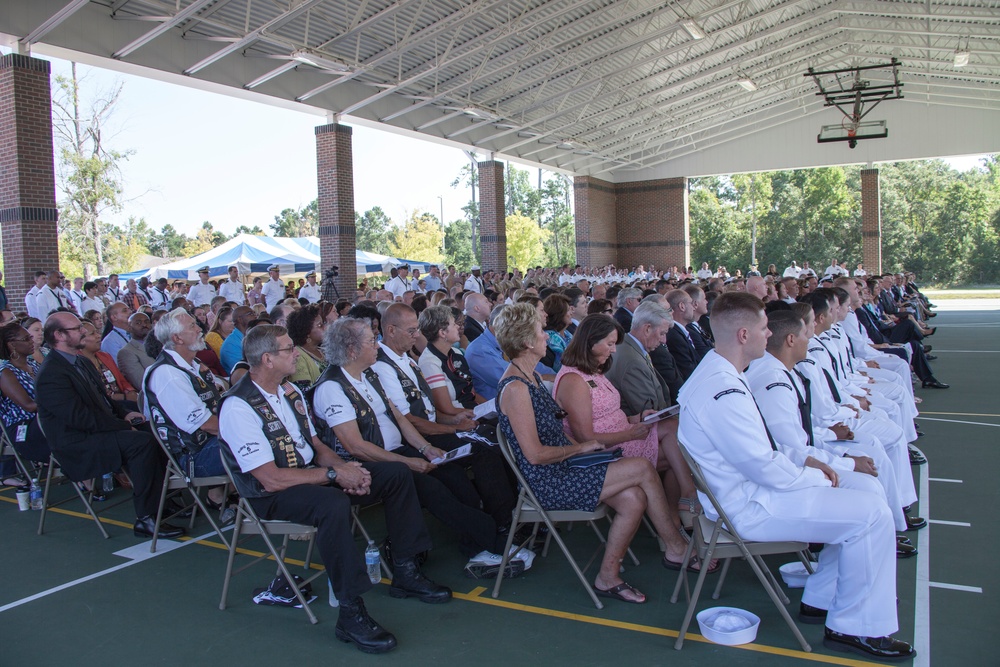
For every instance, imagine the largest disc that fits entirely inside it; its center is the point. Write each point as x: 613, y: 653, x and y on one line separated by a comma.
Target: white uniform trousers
x: 865, y: 444
x: 891, y: 437
x: 856, y: 580
x: 904, y: 403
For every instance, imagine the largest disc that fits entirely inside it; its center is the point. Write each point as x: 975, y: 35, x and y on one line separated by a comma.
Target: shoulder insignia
x: 808, y: 361
x: 729, y: 391
x: 816, y: 349
x: 778, y: 384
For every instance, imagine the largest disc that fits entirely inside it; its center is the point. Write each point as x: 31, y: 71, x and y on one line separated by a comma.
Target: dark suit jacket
x: 624, y: 318
x: 702, y: 343
x: 473, y: 329
x: 77, y: 419
x: 667, y: 369
x: 637, y: 382
x: 682, y: 351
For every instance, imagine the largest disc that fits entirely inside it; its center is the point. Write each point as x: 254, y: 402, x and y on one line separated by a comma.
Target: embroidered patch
x: 729, y: 391
x: 300, y: 407
x: 808, y: 361
x: 816, y: 349
x: 273, y: 426
x: 778, y: 384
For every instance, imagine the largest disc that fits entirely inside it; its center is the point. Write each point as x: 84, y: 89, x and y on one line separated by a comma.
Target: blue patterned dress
x: 557, y: 485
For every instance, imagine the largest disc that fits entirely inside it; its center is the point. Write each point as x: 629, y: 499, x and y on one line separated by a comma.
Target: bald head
x: 477, y: 307
x: 757, y: 287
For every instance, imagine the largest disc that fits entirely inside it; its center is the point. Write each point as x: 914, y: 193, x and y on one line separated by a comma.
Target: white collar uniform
x: 397, y: 286
x: 474, y: 284
x: 272, y: 293
x: 201, y: 294
x: 310, y: 293
x: 233, y: 290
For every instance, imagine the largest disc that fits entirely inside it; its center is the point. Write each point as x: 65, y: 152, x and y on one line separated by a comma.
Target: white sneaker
x: 527, y: 556
x: 486, y: 565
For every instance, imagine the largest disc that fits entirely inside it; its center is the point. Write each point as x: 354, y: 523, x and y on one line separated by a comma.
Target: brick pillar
x: 28, y: 212
x: 335, y: 172
x: 492, y: 217
x: 653, y: 223
x: 596, y: 230
x: 871, y: 221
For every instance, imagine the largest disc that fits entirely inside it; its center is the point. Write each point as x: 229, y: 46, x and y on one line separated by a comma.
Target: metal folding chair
x: 717, y: 539
x: 85, y: 498
x: 529, y: 510
x: 248, y: 523
x: 176, y: 480
x: 7, y: 448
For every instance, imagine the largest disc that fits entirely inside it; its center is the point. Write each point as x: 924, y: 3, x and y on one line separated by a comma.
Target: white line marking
x: 955, y: 587
x: 110, y: 570
x: 922, y: 594
x: 958, y: 421
x: 944, y: 479
x: 970, y: 351
x: 963, y: 524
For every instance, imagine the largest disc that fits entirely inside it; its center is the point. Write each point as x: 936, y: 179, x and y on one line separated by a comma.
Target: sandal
x: 615, y: 593
x: 14, y: 480
x: 95, y: 495
x: 689, y: 505
x: 693, y: 565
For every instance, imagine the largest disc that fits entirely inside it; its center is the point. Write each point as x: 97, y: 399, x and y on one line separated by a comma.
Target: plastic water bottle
x: 373, y: 561
x: 108, y: 483
x: 35, y: 495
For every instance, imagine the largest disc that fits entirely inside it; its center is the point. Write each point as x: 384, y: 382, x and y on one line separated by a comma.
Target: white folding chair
x: 248, y: 523
x: 176, y: 480
x: 717, y: 539
x: 529, y: 510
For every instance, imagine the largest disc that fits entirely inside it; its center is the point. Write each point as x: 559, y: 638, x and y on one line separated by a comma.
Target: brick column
x: 653, y: 223
x: 596, y: 229
x: 335, y: 172
x: 871, y: 221
x: 28, y: 212
x: 492, y: 217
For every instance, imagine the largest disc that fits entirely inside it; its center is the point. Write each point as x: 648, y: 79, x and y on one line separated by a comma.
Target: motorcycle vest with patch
x: 177, y: 440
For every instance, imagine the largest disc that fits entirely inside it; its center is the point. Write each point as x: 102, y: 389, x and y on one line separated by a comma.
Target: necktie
x: 770, y: 438
x: 805, y: 404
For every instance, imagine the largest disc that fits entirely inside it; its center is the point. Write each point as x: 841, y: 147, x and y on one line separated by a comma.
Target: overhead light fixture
x: 747, y: 84
x: 320, y: 62
x: 480, y: 113
x: 693, y: 29
x: 962, y: 57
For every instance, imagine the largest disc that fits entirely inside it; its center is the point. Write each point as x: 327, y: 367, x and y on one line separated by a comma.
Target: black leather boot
x: 357, y: 627
x: 409, y: 581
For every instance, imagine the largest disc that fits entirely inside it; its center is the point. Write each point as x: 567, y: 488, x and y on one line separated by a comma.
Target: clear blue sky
x: 203, y: 156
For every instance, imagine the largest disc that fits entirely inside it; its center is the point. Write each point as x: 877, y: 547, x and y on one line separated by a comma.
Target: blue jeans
x: 206, y: 462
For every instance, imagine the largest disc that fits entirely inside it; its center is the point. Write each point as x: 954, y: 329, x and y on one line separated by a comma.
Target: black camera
x: 332, y: 272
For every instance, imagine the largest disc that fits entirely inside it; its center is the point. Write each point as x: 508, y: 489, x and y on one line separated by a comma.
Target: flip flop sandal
x: 615, y: 593
x: 689, y: 505
x: 674, y: 565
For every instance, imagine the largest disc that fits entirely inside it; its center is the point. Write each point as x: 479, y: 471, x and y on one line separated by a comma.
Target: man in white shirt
x: 160, y: 296
x: 114, y: 292
x: 806, y: 271
x: 792, y: 271
x: 77, y: 295
x: 770, y: 498
x: 860, y: 271
x: 285, y: 472
x: 202, y: 293
x: 310, y: 291
x: 31, y: 298
x: 399, y: 284
x: 474, y: 283
x: 233, y: 289
x: 273, y: 291
x: 704, y: 273
x: 50, y: 297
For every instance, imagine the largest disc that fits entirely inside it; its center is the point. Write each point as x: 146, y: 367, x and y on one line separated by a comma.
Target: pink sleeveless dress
x: 608, y: 415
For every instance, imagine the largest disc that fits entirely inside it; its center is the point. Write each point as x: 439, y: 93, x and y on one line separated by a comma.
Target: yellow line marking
x: 475, y: 596
x: 961, y: 414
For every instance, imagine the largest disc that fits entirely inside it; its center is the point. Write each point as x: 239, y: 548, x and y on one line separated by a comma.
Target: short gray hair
x: 628, y: 293
x: 652, y: 313
x: 343, y: 339
x: 495, y: 312
x: 168, y: 325
x: 432, y: 320
x: 261, y: 340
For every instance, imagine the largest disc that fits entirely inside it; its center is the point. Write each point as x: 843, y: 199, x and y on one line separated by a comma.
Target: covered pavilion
x: 630, y: 97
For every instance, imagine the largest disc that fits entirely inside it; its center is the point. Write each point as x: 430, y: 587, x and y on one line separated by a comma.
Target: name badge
x: 22, y: 433
x: 109, y: 376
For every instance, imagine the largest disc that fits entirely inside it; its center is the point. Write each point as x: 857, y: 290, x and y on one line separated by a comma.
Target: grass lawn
x: 979, y: 293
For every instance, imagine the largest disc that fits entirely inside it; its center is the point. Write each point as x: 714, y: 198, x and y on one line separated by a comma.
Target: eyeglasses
x: 284, y: 349
x: 22, y: 340
x: 76, y: 328
x: 413, y: 331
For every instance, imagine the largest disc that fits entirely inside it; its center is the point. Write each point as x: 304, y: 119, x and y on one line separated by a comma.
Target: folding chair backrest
x: 702, y: 485
x: 174, y: 464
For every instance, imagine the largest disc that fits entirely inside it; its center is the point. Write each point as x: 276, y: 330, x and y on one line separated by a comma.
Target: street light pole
x: 441, y: 199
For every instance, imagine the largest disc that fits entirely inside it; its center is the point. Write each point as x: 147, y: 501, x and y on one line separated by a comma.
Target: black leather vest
x: 414, y: 392
x: 178, y: 440
x: 366, y: 417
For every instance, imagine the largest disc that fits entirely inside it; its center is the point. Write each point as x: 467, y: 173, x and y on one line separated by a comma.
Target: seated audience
x: 105, y: 371
x: 18, y: 409
x: 132, y: 359
x: 444, y: 367
x: 306, y: 327
x: 221, y: 328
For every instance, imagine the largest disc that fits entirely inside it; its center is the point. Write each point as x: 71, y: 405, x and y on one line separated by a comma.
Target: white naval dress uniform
x: 233, y: 290
x: 863, y: 349
x: 272, y: 293
x: 770, y: 498
x: 310, y: 293
x: 397, y: 286
x: 201, y: 294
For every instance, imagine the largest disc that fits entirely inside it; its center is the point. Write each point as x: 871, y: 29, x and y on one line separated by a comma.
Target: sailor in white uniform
x: 768, y: 497
x: 310, y: 291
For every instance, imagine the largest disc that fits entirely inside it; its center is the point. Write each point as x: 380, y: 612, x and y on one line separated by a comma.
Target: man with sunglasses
x: 91, y: 435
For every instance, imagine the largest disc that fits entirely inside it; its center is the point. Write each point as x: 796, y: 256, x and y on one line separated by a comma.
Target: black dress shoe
x: 355, y: 626
x: 917, y: 459
x: 902, y: 539
x: 905, y: 550
x: 811, y: 615
x: 915, y: 523
x: 144, y: 528
x: 928, y: 348
x: 408, y: 581
x: 930, y: 357
x: 880, y: 648
x: 931, y: 331
x: 934, y: 384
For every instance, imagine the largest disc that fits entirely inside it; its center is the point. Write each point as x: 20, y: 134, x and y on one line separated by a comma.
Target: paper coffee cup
x: 23, y: 499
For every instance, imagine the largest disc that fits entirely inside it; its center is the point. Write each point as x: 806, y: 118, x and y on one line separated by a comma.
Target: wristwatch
x: 331, y: 474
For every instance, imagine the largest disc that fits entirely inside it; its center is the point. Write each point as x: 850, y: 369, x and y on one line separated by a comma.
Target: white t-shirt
x: 243, y: 430
x: 176, y: 395
x: 393, y: 389
x: 332, y: 404
x: 430, y: 366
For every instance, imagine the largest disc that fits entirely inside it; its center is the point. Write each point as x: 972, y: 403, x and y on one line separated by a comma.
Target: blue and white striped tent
x: 253, y: 254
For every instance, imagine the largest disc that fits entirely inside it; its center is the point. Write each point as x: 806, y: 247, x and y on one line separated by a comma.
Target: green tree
x: 525, y: 242
x: 373, y: 229
x: 255, y: 231
x: 458, y: 244
x: 468, y: 177
x: 126, y: 245
x: 752, y: 204
x: 421, y: 239
x: 295, y: 224
x: 557, y: 218
x: 521, y: 197
x: 168, y: 243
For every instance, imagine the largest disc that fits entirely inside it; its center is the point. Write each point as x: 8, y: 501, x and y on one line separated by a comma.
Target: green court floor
x: 68, y: 599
